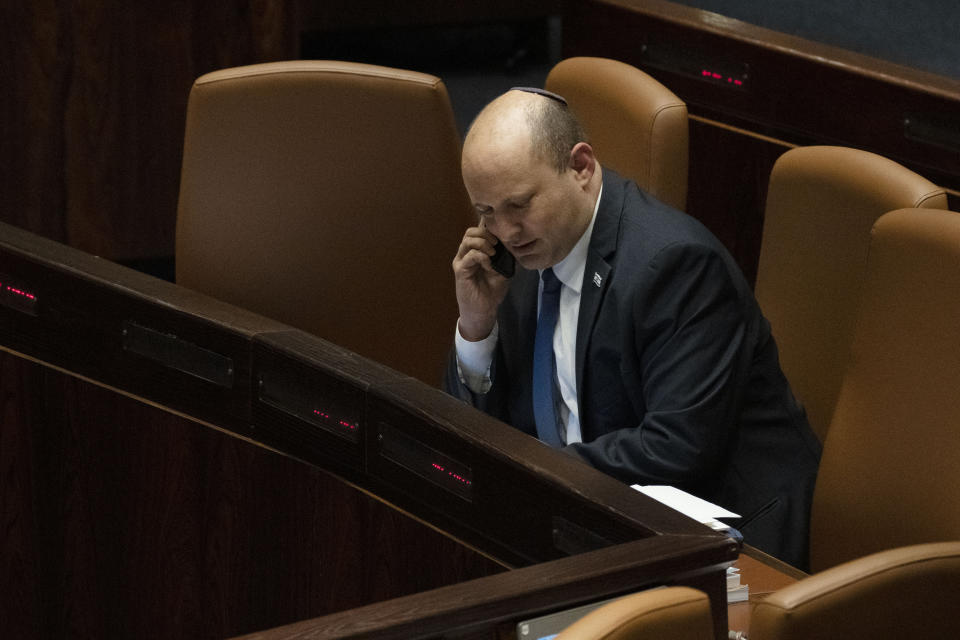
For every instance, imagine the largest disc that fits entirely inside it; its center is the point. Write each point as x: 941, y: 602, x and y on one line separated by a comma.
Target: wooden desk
x: 216, y: 490
x: 764, y: 574
x: 176, y: 467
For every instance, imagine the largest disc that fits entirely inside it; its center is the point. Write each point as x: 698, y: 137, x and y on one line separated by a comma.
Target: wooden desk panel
x: 125, y: 520
x: 490, y: 607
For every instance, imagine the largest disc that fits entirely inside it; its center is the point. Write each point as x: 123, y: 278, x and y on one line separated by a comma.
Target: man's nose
x: 506, y: 229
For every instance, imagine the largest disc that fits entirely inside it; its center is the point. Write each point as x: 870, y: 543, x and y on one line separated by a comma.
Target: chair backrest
x: 890, y: 470
x: 678, y: 613
x: 327, y: 195
x: 908, y: 592
x: 637, y: 126
x: 820, y: 206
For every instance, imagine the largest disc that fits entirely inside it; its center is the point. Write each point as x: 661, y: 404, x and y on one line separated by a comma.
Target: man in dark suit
x: 662, y: 368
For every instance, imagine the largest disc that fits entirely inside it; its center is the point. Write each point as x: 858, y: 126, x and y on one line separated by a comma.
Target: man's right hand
x: 480, y: 289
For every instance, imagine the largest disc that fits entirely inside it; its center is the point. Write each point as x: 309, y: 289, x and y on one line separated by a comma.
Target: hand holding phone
x: 482, y: 280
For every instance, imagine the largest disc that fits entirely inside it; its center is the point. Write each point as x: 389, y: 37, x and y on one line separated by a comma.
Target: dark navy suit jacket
x: 678, y: 378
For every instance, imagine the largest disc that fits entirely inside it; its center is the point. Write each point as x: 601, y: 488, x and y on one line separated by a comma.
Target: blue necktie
x: 544, y: 364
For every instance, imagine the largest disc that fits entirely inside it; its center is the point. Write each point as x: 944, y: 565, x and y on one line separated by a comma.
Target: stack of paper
x: 705, y: 513
x: 736, y: 592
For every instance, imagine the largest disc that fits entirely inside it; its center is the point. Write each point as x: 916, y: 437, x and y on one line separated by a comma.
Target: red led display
x: 455, y: 476
x: 16, y: 296
x: 425, y: 461
x: 313, y: 404
x: 350, y: 426
x: 713, y: 75
x: 18, y: 292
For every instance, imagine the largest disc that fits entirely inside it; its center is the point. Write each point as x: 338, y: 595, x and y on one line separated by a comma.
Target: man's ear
x: 583, y: 162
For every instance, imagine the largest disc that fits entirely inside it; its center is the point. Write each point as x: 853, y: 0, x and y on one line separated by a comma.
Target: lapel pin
x: 597, y: 279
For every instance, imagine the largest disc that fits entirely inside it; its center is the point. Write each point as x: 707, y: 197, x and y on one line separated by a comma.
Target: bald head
x: 530, y: 123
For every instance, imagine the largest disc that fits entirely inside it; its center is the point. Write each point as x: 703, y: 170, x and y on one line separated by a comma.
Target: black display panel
x: 322, y: 407
x: 425, y: 461
x: 17, y: 295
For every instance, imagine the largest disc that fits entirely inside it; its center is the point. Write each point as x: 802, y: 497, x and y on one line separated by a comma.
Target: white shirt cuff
x: 474, y: 359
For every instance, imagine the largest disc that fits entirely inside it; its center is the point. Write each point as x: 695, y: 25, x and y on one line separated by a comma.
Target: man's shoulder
x: 638, y: 206
x: 649, y: 225
x: 649, y: 231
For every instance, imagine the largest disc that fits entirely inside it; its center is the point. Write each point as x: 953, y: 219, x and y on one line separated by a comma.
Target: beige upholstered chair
x: 908, y: 592
x: 637, y: 126
x: 678, y: 613
x: 820, y: 206
x: 890, y: 471
x: 327, y: 195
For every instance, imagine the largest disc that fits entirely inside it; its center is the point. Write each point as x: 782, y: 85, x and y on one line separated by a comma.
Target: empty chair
x: 891, y: 461
x: 909, y: 592
x: 637, y: 126
x: 820, y: 206
x: 327, y: 195
x: 678, y: 613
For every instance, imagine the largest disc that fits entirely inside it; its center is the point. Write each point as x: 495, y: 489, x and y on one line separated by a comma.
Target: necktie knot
x: 551, y: 284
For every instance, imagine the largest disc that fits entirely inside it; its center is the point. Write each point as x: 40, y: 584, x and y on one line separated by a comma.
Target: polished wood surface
x: 485, y: 606
x: 729, y: 197
x: 125, y: 520
x: 764, y: 574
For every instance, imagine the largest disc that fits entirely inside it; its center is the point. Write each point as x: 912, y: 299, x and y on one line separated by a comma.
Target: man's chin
x: 531, y: 262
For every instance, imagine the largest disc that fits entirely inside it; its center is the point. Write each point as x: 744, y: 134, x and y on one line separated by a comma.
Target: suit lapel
x: 596, y: 273
x: 528, y: 290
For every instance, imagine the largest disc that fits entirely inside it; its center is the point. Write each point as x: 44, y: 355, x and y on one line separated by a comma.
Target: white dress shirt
x: 474, y: 358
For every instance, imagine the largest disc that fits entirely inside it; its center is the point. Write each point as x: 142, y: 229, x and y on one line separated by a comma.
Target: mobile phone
x: 503, y: 261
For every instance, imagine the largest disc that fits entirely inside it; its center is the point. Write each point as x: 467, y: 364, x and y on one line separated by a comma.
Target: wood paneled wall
x: 94, y: 100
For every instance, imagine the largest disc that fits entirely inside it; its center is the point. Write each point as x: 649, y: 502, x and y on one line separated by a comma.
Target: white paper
x: 689, y: 505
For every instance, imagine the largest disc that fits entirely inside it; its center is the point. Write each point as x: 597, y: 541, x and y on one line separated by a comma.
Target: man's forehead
x: 514, y: 193
x: 497, y: 166
x: 490, y: 191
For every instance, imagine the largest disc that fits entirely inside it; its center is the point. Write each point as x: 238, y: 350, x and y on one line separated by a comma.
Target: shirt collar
x: 570, y: 270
